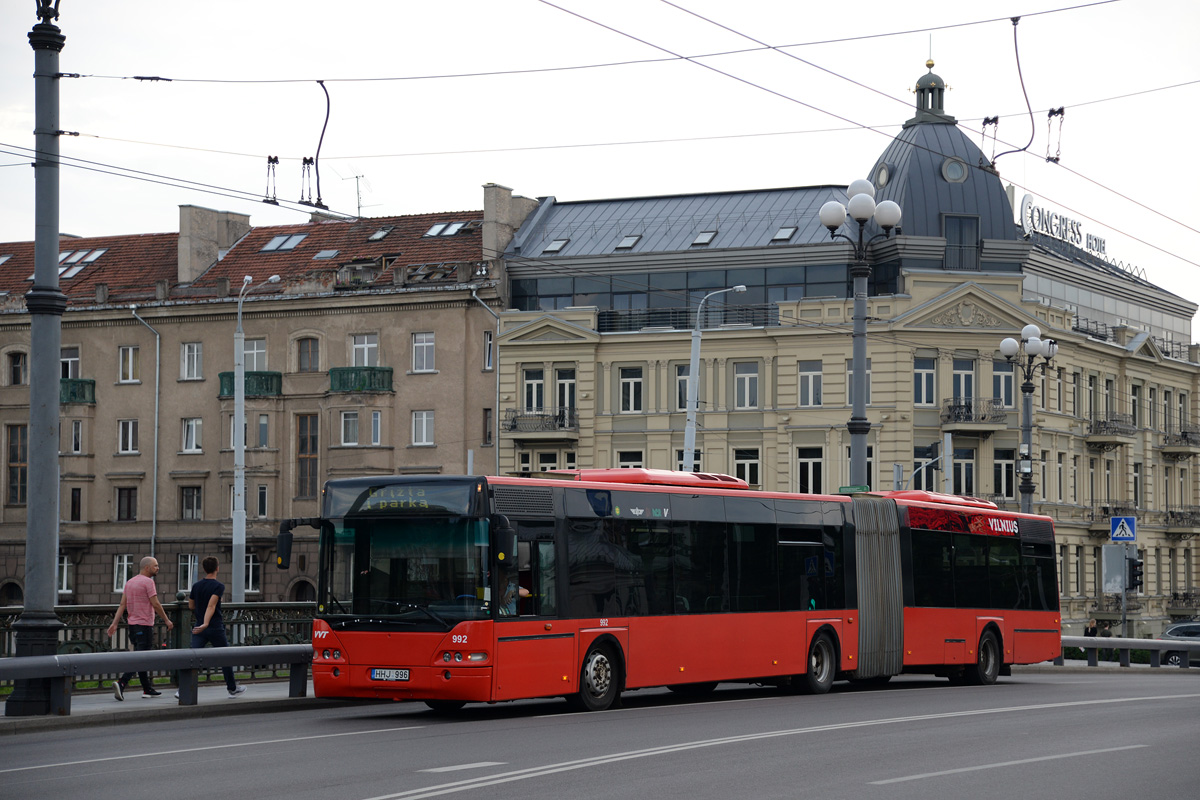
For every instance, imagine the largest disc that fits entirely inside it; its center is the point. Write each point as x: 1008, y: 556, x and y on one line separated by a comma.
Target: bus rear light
x: 477, y: 657
x: 458, y: 656
x: 325, y: 654
x: 337, y: 655
x: 446, y: 656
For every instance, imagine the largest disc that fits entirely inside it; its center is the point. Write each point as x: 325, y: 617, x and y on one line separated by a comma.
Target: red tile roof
x: 132, y: 264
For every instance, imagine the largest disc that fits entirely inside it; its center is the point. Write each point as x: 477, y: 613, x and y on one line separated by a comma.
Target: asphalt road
x: 1034, y: 735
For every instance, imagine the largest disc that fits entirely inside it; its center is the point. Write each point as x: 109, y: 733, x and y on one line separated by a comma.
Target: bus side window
x: 537, y: 577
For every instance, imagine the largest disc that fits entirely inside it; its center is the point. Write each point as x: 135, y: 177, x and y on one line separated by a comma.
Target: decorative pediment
x: 548, y: 330
x: 967, y: 314
x: 969, y: 306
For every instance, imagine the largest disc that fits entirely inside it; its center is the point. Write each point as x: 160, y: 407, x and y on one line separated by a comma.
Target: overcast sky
x: 244, y: 87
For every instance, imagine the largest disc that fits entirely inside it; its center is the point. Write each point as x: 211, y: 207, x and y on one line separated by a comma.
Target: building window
x: 264, y: 429
x: 1152, y: 409
x: 255, y: 355
x: 423, y: 352
x: 547, y: 461
x: 681, y: 386
x: 924, y: 470
x: 535, y: 389
x: 681, y: 467
x: 924, y: 371
x: 631, y: 389
x: 349, y: 428
x: 1137, y: 485
x: 66, y: 575
x: 422, y: 428
x: 189, y: 571
x: 810, y: 383
x: 128, y: 369
x: 127, y: 436
x: 850, y: 382
x: 190, y: 506
x: 366, y: 350
x: 570, y: 463
x: 629, y: 459
x: 1004, y: 473
x: 745, y: 378
x: 122, y: 571
x: 127, y: 504
x: 76, y: 513
x: 488, y: 351
x: 376, y: 428
x: 191, y: 434
x: 253, y: 582
x: 962, y: 242
x: 69, y: 360
x: 1002, y: 382
x: 487, y: 427
x: 76, y: 445
x: 565, y: 389
x: 870, y: 463
x: 964, y: 471
x: 306, y: 455
x: 191, y: 361
x: 524, y: 461
x: 18, y: 369
x: 810, y: 463
x: 308, y: 355
x: 963, y: 381
x: 261, y: 509
x: 18, y: 464
x: 745, y: 465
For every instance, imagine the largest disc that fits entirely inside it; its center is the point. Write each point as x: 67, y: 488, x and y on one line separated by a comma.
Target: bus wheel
x: 822, y: 666
x: 445, y: 705
x: 600, y: 680
x: 984, y: 671
x: 692, y: 689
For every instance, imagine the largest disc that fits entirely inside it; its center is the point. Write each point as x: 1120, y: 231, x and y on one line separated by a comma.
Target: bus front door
x: 535, y: 651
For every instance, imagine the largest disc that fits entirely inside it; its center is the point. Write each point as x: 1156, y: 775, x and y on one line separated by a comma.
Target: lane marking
x: 1005, y: 764
x: 209, y: 747
x: 457, y: 767
x: 612, y: 758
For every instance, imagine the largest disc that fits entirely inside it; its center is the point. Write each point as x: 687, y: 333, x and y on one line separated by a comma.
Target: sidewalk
x: 92, y: 709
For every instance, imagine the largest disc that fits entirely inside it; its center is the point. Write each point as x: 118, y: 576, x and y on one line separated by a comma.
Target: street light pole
x: 239, y: 445
x: 1024, y: 354
x: 862, y: 208
x: 689, y: 430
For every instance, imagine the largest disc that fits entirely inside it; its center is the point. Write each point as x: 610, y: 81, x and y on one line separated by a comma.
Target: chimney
x: 101, y: 293
x: 162, y: 289
x: 222, y: 287
x: 203, y: 235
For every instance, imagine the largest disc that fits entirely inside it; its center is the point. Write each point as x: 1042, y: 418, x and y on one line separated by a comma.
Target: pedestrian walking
x: 205, y: 602
x: 140, y: 599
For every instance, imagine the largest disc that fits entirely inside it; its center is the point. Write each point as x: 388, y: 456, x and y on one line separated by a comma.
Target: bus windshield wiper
x: 404, y: 605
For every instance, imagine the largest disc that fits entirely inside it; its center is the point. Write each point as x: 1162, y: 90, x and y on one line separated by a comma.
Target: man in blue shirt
x: 205, y: 602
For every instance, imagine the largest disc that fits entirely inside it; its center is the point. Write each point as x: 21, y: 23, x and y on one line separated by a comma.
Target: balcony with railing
x: 980, y: 416
x: 77, y: 390
x: 258, y: 384
x: 1182, y: 443
x: 1104, y: 510
x: 1182, y: 522
x: 541, y: 424
x: 360, y: 379
x: 962, y: 257
x: 1109, y: 431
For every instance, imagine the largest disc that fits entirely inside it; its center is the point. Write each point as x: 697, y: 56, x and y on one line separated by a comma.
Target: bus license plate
x: 389, y: 674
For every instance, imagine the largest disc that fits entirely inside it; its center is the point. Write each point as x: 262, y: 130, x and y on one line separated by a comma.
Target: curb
x: 16, y: 725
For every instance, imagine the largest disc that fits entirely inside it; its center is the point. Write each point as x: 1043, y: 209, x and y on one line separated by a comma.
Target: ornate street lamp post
x: 861, y: 208
x: 689, y: 430
x: 1025, y: 354
x: 239, y: 445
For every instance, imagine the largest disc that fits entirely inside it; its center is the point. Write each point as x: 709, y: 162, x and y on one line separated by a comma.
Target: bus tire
x: 822, y: 666
x: 987, y: 666
x: 599, y: 680
x: 445, y: 706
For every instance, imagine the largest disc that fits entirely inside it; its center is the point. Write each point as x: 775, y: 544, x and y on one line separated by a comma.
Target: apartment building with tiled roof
x: 372, y: 354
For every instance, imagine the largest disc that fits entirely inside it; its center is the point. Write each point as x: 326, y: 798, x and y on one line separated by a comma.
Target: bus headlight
x: 458, y: 656
x: 446, y: 656
x: 325, y: 654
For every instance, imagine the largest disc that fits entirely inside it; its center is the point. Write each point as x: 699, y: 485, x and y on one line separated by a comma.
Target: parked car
x: 1184, y: 632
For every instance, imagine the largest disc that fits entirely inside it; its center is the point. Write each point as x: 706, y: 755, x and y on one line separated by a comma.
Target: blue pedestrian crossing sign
x: 1123, y: 529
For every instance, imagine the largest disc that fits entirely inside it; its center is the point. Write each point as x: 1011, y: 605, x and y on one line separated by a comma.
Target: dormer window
x: 356, y: 275
x: 628, y: 242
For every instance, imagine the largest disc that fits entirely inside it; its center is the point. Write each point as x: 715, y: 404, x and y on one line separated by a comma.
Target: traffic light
x: 1134, y: 581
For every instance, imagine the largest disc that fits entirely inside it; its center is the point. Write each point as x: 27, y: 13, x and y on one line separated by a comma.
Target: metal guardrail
x: 1092, y: 645
x: 62, y: 670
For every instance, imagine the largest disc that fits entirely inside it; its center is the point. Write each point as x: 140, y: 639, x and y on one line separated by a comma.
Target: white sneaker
x: 177, y: 695
x: 118, y: 690
x: 237, y: 691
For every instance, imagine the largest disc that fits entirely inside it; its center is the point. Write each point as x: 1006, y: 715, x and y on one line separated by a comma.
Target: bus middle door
x: 534, y: 649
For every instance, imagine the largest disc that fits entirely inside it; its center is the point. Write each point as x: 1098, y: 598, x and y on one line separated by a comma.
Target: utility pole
x: 38, y: 626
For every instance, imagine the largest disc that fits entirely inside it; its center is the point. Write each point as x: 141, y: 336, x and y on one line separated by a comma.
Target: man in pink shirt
x: 140, y: 599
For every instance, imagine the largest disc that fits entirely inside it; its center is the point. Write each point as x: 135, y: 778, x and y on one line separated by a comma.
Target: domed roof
x: 933, y: 169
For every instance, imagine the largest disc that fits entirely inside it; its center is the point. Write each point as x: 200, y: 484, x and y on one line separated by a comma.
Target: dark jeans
x: 214, y: 635
x: 142, y: 637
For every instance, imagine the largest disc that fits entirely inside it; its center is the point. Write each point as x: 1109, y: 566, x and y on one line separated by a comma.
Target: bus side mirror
x: 283, y: 550
x: 505, y: 539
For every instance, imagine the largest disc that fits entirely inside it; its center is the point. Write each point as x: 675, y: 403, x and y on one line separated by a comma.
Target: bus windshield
x: 415, y: 571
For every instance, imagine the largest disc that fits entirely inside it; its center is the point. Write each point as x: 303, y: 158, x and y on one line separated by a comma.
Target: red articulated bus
x: 470, y: 589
